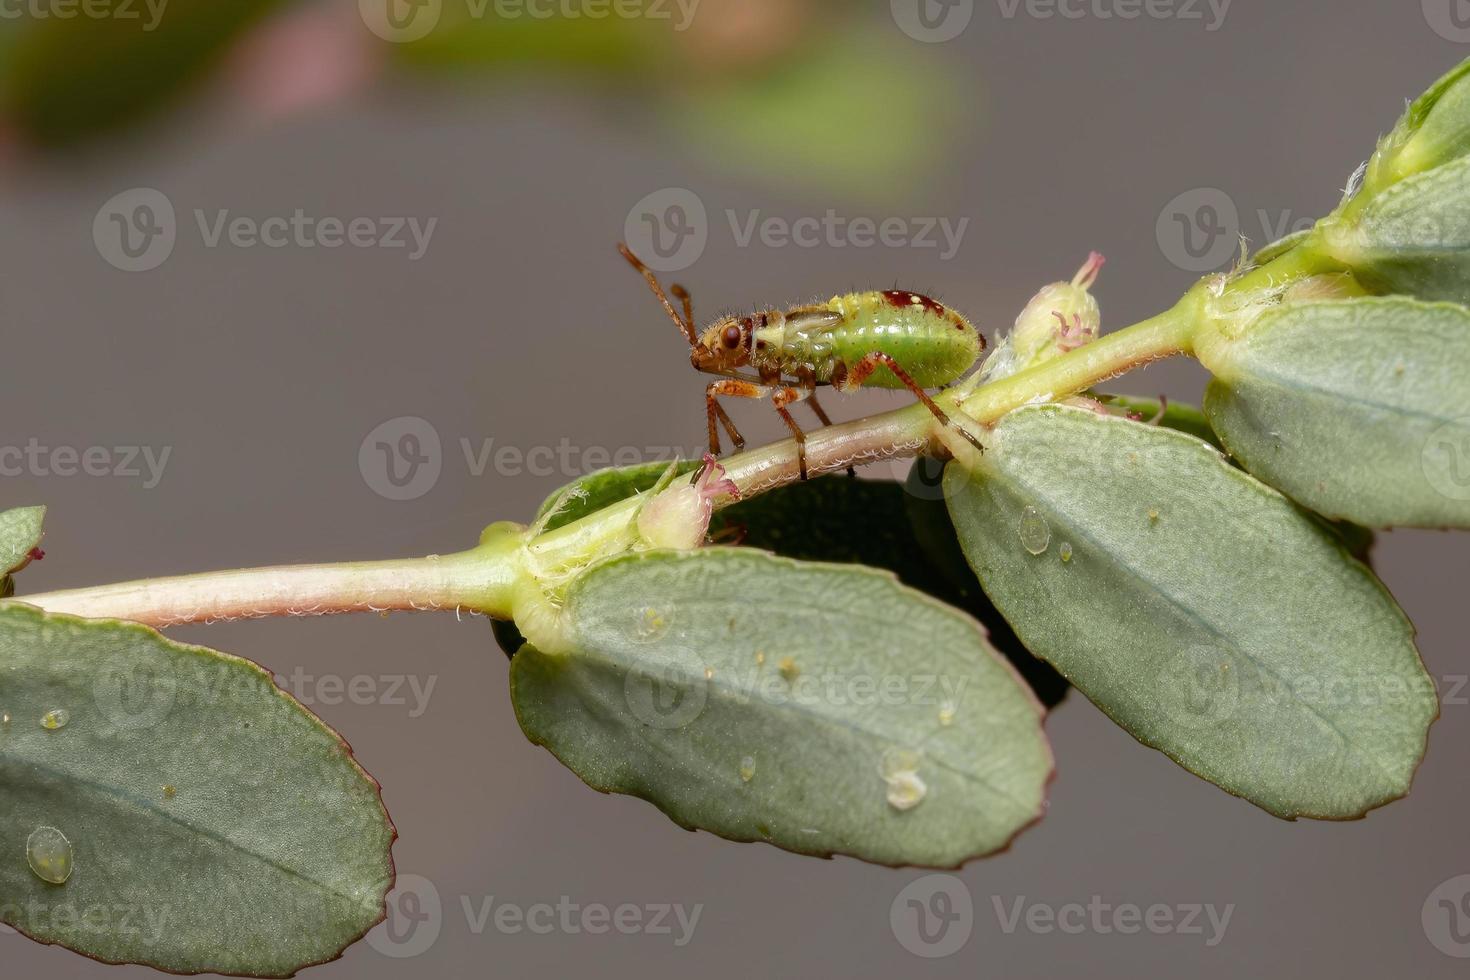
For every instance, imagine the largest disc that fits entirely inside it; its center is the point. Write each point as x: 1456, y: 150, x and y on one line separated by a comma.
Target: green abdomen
x: 931, y: 342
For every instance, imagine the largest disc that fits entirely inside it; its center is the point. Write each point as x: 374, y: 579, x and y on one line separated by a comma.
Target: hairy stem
x: 486, y: 579
x: 473, y: 580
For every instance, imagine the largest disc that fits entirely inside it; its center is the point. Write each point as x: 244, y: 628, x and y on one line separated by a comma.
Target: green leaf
x: 1411, y: 238
x: 1434, y: 130
x: 1199, y: 608
x: 216, y: 826
x: 801, y: 704
x: 591, y: 493
x: 1180, y: 416
x: 20, y: 532
x: 1357, y: 409
x: 66, y: 80
x: 827, y: 91
x: 833, y: 519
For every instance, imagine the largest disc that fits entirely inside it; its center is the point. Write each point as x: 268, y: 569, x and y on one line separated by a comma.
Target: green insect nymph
x: 889, y: 339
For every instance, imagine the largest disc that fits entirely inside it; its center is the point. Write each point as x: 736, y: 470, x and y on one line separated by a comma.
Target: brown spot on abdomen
x: 903, y: 299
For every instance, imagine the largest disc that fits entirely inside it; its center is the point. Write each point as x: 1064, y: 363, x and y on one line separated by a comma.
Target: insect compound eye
x: 732, y: 336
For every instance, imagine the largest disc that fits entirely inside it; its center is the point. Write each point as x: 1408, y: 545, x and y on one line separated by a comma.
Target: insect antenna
x: 686, y: 327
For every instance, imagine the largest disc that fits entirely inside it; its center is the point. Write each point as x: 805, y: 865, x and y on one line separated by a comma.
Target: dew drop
x: 55, y: 719
x: 895, y: 762
x: 1065, y: 550
x: 1035, y: 532
x: 906, y: 791
x: 49, y: 854
x: 651, y: 624
x: 747, y: 769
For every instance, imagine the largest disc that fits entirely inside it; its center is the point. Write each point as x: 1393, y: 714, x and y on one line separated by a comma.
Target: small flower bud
x: 1061, y: 317
x: 679, y: 516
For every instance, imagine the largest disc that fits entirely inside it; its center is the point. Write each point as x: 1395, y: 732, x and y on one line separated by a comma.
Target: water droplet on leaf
x: 651, y: 624
x: 896, y: 761
x: 906, y: 791
x: 55, y: 719
x: 49, y: 854
x: 1035, y: 532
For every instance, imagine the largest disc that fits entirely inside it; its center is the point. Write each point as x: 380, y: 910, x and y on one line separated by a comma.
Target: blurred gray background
x: 261, y: 371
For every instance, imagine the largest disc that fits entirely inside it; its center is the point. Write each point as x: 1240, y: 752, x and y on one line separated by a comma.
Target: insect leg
x: 685, y: 327
x: 735, y: 388
x: 682, y: 295
x: 808, y: 379
x: 865, y: 368
x: 782, y: 397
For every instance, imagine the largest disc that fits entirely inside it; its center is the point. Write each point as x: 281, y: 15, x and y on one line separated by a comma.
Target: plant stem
x: 485, y: 579
x: 473, y: 580
x: 907, y: 431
